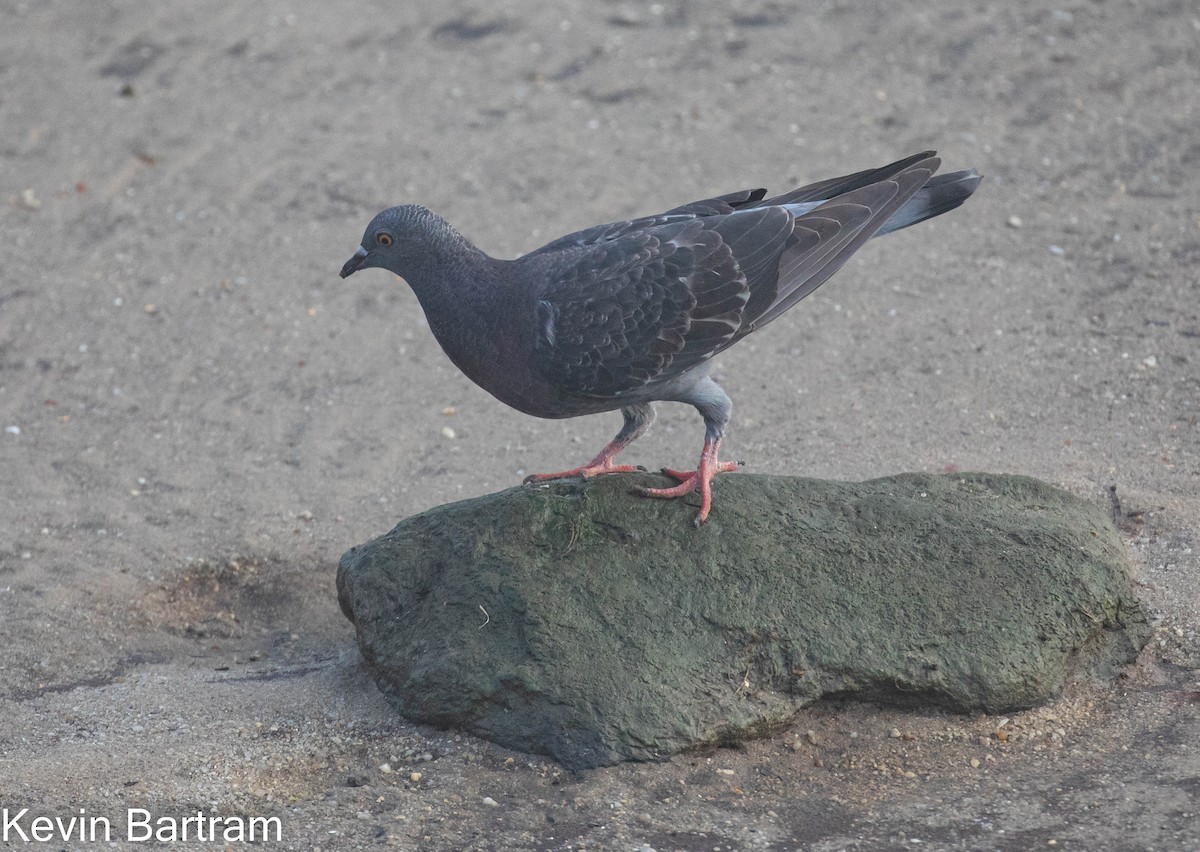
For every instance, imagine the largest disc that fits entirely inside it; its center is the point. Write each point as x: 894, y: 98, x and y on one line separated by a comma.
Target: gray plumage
x: 628, y: 313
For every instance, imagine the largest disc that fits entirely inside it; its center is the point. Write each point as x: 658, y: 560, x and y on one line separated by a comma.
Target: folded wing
x: 634, y: 303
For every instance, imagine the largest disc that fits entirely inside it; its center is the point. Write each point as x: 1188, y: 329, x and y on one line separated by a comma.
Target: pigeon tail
x: 940, y: 195
x: 826, y: 236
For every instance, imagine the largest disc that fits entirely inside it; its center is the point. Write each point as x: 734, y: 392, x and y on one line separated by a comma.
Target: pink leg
x: 602, y: 463
x: 701, y: 478
x: 637, y: 420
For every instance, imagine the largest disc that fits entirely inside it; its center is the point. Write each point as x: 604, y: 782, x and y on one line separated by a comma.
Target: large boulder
x: 579, y: 621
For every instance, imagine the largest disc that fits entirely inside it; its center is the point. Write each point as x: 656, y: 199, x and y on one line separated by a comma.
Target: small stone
x: 449, y: 411
x: 385, y: 768
x: 447, y: 432
x: 490, y: 802
x: 29, y: 199
x: 725, y: 772
x: 414, y: 777
x: 974, y: 762
x: 1014, y: 222
x: 1057, y: 251
x: 812, y: 736
x: 626, y: 18
x: 895, y: 733
x: 305, y: 515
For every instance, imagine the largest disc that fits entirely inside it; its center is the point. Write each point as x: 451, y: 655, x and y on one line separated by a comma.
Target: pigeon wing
x: 647, y: 299
x: 648, y: 305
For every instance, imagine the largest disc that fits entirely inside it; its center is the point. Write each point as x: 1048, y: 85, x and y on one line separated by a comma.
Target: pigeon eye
x: 384, y: 239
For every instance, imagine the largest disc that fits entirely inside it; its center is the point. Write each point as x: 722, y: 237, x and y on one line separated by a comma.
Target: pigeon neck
x: 450, y: 272
x: 461, y: 291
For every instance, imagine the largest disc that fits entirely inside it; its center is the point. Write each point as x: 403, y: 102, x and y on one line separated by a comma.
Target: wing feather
x: 650, y: 304
x: 633, y: 303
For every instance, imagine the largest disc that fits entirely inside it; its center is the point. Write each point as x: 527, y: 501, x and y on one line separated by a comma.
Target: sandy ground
x: 199, y: 417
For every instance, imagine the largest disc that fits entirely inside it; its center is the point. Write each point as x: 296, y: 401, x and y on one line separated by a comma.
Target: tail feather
x: 815, y: 193
x: 834, y: 218
x: 939, y: 195
x: 806, y: 264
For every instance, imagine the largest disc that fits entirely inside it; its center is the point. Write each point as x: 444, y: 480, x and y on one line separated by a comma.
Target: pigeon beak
x: 355, y: 263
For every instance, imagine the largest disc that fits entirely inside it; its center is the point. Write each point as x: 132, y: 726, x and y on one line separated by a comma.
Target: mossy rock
x: 577, y: 620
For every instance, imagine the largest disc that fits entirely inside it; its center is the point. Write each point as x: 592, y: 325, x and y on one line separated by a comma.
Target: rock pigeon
x: 622, y: 315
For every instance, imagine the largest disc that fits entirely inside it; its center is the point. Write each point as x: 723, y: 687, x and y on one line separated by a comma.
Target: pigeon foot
x: 586, y: 471
x: 701, y: 478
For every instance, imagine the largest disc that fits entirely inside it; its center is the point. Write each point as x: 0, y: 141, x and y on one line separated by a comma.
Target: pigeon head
x: 398, y: 239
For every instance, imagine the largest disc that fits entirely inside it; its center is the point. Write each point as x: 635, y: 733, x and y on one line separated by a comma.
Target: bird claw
x: 699, y: 479
x: 585, y: 472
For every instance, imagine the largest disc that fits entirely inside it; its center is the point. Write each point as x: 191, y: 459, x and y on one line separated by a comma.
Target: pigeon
x: 623, y: 315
